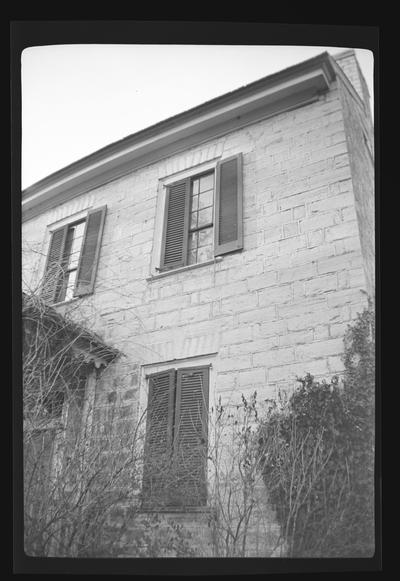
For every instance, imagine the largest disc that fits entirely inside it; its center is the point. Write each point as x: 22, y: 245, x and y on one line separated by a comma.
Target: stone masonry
x: 267, y: 314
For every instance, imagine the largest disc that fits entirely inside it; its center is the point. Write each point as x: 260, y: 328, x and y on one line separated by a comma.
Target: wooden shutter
x: 158, y: 450
x: 53, y: 269
x: 176, y: 226
x: 90, y: 252
x: 190, y: 437
x: 229, y: 206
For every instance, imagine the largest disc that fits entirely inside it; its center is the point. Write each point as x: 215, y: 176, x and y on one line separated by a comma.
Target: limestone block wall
x: 276, y: 309
x: 347, y: 61
x: 263, y: 316
x: 361, y: 154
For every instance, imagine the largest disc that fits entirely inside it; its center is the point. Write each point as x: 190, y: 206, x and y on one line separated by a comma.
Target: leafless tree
x: 82, y: 461
x: 242, y: 523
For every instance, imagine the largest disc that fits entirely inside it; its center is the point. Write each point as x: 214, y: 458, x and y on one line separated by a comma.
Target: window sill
x: 65, y: 303
x: 184, y: 268
x: 69, y: 301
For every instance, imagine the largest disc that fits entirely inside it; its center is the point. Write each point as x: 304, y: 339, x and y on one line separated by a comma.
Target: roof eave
x: 268, y: 96
x: 82, y: 339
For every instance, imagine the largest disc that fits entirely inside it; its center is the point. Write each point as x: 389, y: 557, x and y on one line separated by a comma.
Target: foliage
x: 82, y: 465
x: 359, y: 395
x: 156, y: 536
x: 82, y: 461
x: 236, y: 499
x: 318, y: 456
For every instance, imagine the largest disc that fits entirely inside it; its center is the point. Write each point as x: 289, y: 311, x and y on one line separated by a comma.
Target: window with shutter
x: 159, y: 434
x: 89, y: 256
x: 176, y: 225
x: 73, y: 257
x: 201, y: 221
x: 190, y: 438
x: 176, y: 439
x: 53, y: 270
x: 203, y: 216
x: 229, y: 206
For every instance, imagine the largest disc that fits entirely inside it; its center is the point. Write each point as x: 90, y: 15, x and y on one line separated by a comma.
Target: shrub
x: 318, y: 456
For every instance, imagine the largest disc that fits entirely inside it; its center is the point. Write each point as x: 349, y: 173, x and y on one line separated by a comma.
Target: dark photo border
x: 29, y: 33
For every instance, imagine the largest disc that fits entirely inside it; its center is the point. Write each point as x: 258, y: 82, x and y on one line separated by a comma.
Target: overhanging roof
x: 268, y: 96
x: 81, y: 339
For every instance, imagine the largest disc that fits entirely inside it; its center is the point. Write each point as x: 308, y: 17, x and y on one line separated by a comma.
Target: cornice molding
x: 290, y: 88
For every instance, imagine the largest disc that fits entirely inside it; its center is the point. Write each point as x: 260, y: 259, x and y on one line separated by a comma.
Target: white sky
x: 79, y: 98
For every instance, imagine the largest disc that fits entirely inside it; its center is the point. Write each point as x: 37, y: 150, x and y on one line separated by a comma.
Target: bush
x: 318, y: 456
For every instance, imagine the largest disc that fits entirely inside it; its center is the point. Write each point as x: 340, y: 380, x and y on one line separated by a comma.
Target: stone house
x: 222, y: 251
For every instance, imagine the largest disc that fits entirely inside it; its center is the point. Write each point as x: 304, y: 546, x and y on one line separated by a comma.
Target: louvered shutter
x: 157, y: 457
x: 176, y: 226
x: 190, y: 437
x: 229, y: 206
x: 90, y: 252
x: 53, y: 270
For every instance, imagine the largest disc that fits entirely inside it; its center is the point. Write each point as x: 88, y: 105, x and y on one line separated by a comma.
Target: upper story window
x: 72, y: 251
x: 203, y: 216
x: 72, y: 258
x: 201, y: 219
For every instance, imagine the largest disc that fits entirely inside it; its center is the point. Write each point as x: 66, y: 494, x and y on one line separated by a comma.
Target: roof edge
x: 88, y: 341
x: 323, y: 59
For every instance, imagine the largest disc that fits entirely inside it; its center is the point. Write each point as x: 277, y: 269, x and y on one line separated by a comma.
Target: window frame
x: 57, y: 286
x: 219, y: 249
x: 63, y: 286
x: 64, y: 227
x: 188, y: 180
x: 235, y: 245
x: 174, y: 400
x: 209, y: 224
x: 162, y: 267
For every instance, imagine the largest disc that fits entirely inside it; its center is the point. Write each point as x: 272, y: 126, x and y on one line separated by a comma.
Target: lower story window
x: 176, y: 439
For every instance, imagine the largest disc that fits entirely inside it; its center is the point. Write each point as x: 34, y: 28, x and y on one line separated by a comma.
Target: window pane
x: 68, y: 246
x: 193, y: 240
x: 207, y: 182
x: 195, y: 203
x: 192, y: 257
x: 193, y: 220
x: 204, y: 253
x: 70, y: 285
x: 206, y: 199
x: 195, y: 187
x: 79, y: 229
x: 201, y: 214
x: 77, y: 244
x: 205, y: 217
x: 63, y: 284
x: 205, y: 237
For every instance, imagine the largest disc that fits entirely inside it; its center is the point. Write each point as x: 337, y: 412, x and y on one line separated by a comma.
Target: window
x: 203, y: 216
x: 72, y: 396
x: 201, y: 219
x: 176, y: 439
x: 72, y: 258
x: 72, y: 250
